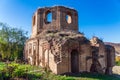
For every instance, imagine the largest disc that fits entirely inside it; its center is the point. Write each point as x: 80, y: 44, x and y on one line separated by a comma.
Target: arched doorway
x: 74, y: 61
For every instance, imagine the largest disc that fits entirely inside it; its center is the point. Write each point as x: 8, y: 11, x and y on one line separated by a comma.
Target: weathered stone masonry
x: 58, y: 46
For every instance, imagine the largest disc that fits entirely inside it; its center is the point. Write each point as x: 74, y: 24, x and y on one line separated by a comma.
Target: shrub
x: 19, y: 72
x: 118, y: 63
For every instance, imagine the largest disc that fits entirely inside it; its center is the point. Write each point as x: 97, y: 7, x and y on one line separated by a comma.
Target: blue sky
x: 96, y: 17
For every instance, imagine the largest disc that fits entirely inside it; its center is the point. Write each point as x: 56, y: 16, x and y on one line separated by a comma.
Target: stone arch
x: 68, y: 17
x: 74, y: 61
x: 48, y: 17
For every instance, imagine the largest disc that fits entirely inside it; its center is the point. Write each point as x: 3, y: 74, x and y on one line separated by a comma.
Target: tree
x: 11, y: 42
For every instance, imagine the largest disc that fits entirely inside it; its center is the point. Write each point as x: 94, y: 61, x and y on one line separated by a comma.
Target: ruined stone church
x: 58, y: 45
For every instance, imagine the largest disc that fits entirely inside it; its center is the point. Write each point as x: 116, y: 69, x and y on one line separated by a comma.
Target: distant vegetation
x: 11, y: 42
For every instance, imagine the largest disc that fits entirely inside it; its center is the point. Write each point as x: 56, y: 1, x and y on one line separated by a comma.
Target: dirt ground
x: 116, y: 71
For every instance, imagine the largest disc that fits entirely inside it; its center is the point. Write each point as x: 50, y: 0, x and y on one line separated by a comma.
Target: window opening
x: 49, y: 17
x: 68, y: 19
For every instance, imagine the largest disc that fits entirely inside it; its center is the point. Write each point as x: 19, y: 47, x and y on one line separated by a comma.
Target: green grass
x: 29, y: 72
x: 118, y: 63
x: 88, y: 76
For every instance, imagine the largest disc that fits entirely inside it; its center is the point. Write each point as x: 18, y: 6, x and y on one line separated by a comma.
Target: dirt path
x: 116, y: 71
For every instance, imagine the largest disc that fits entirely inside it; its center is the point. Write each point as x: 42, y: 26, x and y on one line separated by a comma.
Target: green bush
x: 118, y: 63
x: 2, y: 65
x: 34, y: 76
x: 4, y: 75
x: 19, y: 72
x: 15, y: 70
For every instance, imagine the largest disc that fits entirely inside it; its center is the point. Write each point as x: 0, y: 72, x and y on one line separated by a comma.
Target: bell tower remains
x: 62, y: 19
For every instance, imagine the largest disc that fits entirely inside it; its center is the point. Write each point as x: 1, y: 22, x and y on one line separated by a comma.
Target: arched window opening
x: 68, y: 18
x: 49, y: 17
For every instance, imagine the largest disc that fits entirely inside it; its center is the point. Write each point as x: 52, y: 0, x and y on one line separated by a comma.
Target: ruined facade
x: 58, y: 46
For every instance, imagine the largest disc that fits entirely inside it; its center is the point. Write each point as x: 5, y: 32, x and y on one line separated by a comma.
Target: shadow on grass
x: 116, y: 75
x: 32, y: 76
x: 94, y: 76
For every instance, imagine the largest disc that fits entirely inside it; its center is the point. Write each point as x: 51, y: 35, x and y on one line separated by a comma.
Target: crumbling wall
x: 83, y: 48
x: 62, y: 19
x: 86, y: 61
x: 105, y: 56
x: 99, y: 54
x: 110, y: 58
x: 53, y: 51
x: 31, y: 51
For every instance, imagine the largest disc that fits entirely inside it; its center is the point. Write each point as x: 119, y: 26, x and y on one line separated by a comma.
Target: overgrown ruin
x: 58, y: 46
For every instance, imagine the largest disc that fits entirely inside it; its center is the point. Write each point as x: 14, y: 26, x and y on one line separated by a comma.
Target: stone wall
x: 110, y: 58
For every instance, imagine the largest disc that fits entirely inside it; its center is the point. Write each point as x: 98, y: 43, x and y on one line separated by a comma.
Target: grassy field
x: 15, y: 70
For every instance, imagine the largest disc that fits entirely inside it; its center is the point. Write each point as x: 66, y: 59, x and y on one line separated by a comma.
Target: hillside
x: 116, y: 45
